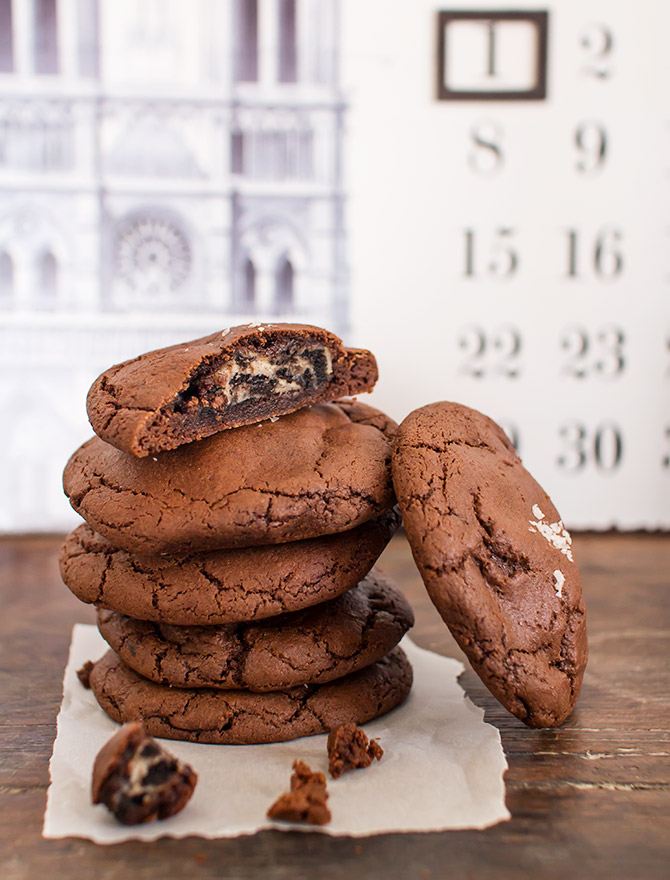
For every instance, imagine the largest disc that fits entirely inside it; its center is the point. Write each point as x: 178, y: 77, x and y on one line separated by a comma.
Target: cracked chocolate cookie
x: 310, y: 473
x: 312, y: 646
x: 138, y: 780
x: 223, y: 586
x: 495, y: 557
x: 242, y: 717
x: 245, y: 374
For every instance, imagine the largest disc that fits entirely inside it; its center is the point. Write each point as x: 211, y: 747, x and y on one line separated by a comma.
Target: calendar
x: 508, y: 168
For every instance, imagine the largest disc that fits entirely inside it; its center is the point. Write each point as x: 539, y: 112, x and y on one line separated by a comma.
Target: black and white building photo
x: 167, y: 168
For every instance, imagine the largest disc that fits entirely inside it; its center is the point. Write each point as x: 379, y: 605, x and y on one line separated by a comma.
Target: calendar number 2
x: 597, y: 41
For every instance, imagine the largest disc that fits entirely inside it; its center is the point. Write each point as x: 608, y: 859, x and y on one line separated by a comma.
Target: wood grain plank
x: 590, y: 799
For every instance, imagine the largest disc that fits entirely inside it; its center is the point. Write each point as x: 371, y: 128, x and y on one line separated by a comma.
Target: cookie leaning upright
x: 495, y: 558
x: 171, y: 396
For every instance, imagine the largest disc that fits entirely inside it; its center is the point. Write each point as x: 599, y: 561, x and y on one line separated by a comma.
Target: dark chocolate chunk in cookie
x: 310, y: 473
x: 306, y: 801
x: 495, y: 557
x: 350, y: 749
x: 313, y: 646
x: 241, y: 717
x: 138, y: 780
x: 223, y: 586
x: 245, y: 374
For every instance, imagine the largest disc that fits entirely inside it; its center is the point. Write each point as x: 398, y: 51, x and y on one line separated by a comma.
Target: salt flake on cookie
x: 556, y: 533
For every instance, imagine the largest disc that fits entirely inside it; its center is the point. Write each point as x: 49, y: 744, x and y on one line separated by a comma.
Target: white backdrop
x: 509, y: 254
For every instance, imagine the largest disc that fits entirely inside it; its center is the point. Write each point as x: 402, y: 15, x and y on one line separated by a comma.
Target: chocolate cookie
x: 223, y: 586
x: 495, y: 557
x: 238, y: 717
x: 312, y: 646
x: 364, y: 414
x: 246, y: 374
x: 313, y: 472
x: 138, y: 780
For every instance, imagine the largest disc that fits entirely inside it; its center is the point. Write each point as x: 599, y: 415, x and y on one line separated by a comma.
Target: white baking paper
x: 442, y: 767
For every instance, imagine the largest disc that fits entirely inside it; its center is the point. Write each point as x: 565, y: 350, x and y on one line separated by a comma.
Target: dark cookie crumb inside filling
x: 284, y: 368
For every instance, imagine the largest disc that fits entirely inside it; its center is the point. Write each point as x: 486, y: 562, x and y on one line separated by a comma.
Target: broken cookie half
x: 240, y: 376
x: 138, y: 780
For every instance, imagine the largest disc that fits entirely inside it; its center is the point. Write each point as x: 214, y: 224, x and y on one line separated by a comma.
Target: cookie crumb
x: 306, y: 801
x: 84, y: 674
x: 350, y: 749
x: 138, y: 780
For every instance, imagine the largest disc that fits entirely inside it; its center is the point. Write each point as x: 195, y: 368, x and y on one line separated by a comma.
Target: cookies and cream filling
x: 297, y: 367
x: 148, y: 768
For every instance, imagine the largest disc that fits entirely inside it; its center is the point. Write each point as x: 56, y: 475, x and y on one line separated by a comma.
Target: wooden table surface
x: 589, y: 800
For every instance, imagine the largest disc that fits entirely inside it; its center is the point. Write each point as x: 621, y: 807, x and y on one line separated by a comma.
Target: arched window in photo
x: 237, y: 151
x: 6, y: 278
x: 45, y: 29
x: 88, y: 37
x: 245, y: 49
x: 248, y: 298
x: 47, y: 278
x: 288, y: 53
x: 6, y: 37
x: 284, y: 280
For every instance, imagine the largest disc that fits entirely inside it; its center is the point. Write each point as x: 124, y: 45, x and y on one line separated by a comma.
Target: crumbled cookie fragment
x: 84, y: 674
x: 306, y: 802
x: 138, y: 780
x: 350, y: 749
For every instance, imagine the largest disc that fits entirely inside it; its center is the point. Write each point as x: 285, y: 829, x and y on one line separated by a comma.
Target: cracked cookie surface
x: 241, y: 717
x: 495, y: 558
x: 240, y: 376
x: 223, y: 586
x: 310, y: 473
x: 313, y: 646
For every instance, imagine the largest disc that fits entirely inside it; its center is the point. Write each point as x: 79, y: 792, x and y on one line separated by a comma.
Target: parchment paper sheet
x: 442, y: 767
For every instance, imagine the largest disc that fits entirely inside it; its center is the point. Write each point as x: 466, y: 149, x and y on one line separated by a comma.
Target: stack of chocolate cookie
x: 234, y: 513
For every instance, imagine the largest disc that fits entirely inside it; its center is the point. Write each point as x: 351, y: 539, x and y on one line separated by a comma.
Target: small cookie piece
x: 223, y: 586
x: 313, y: 646
x: 495, y: 557
x: 306, y: 802
x: 349, y: 749
x: 242, y: 717
x: 245, y: 374
x: 138, y: 780
x: 84, y: 674
x: 313, y: 472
